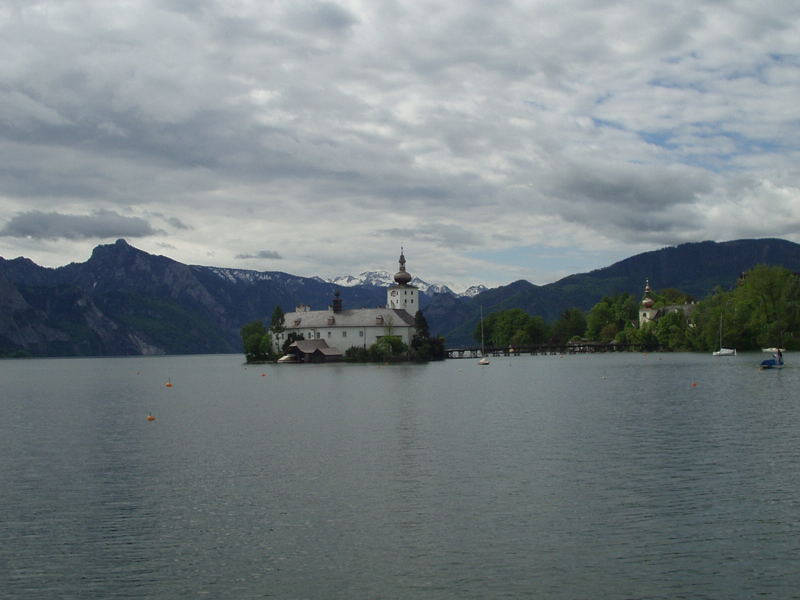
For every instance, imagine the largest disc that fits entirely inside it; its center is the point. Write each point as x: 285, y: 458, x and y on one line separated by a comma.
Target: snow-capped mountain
x: 473, y: 291
x: 377, y: 278
x: 384, y: 279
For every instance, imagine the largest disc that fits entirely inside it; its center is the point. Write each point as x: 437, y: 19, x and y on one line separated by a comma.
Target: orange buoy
x: 263, y: 374
x: 151, y: 418
x: 694, y: 384
x: 169, y: 383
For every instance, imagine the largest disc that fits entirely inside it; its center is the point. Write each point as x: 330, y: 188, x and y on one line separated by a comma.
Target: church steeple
x: 402, y: 277
x: 403, y: 295
x: 647, y: 301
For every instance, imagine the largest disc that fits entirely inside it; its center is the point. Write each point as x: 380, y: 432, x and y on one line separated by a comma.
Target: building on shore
x: 313, y: 351
x: 342, y: 328
x: 648, y: 313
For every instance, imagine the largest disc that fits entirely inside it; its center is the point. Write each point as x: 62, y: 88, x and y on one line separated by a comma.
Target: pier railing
x: 540, y: 349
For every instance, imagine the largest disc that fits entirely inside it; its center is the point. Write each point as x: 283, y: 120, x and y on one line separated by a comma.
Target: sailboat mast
x: 482, y: 351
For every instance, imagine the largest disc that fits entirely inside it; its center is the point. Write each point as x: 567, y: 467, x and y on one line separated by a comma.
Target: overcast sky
x: 495, y: 140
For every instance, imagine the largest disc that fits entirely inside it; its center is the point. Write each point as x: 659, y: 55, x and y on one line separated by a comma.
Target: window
x: 329, y: 334
x: 344, y: 334
x: 317, y: 336
x: 361, y: 333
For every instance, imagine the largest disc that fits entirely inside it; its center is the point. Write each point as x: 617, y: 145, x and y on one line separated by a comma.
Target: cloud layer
x: 335, y: 131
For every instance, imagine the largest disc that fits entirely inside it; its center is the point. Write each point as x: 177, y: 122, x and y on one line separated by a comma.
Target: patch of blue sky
x: 676, y: 85
x: 609, y: 124
x: 742, y: 144
x: 688, y: 153
x: 535, y: 104
x: 658, y: 138
x: 791, y: 59
x: 603, y: 98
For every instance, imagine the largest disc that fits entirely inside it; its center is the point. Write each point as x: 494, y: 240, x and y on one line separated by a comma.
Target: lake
x: 608, y: 476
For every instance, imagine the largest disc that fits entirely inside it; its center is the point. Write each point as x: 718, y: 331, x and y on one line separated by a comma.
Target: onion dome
x: 647, y: 301
x: 402, y: 277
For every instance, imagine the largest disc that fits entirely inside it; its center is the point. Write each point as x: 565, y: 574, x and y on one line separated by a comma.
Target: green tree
x: 671, y: 296
x: 421, y: 325
x: 277, y: 321
x: 610, y: 316
x: 763, y: 310
x: 257, y: 342
x: 643, y: 338
x: 608, y: 333
x: 424, y: 347
x: 388, y: 347
x: 511, y: 328
x: 768, y: 299
x: 266, y: 349
x: 598, y: 318
x: 671, y: 331
x: 571, y: 323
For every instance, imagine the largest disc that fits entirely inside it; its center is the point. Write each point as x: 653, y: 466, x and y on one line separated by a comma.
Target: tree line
x: 762, y: 310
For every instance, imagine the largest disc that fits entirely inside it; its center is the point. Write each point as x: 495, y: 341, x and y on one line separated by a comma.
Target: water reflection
x: 574, y: 477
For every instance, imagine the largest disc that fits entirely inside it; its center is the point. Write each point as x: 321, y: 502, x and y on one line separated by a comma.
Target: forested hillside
x: 125, y: 301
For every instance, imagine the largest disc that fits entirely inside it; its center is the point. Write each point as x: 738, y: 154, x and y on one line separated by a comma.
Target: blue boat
x: 776, y: 362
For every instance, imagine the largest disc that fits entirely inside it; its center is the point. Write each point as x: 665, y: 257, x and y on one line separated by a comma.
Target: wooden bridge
x: 542, y: 349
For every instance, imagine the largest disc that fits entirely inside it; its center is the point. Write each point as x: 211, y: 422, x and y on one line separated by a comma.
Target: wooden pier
x: 545, y: 349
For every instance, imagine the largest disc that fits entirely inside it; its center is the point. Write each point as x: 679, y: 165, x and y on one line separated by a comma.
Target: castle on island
x: 327, y: 334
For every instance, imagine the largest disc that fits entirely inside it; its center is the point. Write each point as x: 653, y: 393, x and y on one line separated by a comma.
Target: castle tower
x: 403, y: 295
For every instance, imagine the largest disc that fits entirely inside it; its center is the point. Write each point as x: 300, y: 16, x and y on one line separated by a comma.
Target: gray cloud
x: 439, y: 235
x: 320, y: 16
x: 53, y: 226
x: 261, y: 254
x: 472, y: 127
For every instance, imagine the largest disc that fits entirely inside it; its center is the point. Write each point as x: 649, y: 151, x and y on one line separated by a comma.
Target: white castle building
x: 341, y: 329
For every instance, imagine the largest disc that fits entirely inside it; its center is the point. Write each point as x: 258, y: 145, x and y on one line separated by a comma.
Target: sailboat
x: 483, y: 360
x: 723, y: 351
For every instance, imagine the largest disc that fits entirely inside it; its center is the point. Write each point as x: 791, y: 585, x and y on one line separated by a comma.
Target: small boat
x: 725, y: 352
x: 776, y: 362
x: 773, y: 350
x: 771, y: 363
x: 287, y: 358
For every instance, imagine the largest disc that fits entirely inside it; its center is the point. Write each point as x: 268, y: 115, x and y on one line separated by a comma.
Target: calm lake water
x: 611, y: 476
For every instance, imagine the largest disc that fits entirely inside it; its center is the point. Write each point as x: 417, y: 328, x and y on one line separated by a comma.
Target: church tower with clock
x: 403, y: 295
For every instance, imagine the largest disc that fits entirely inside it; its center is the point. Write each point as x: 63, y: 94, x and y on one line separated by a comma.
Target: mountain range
x: 384, y: 279
x: 124, y: 301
